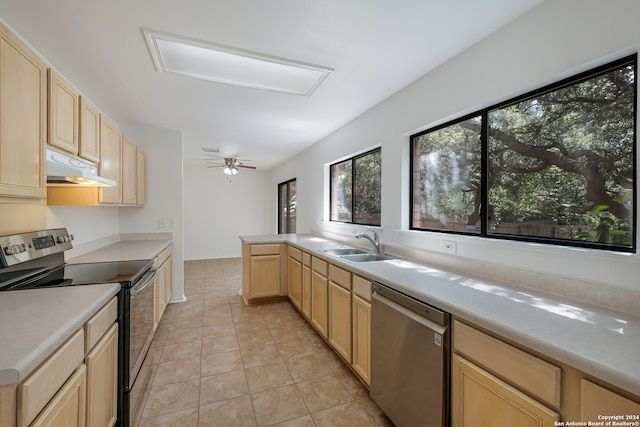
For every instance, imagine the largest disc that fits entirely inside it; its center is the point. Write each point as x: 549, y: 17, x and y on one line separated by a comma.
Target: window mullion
x: 484, y: 176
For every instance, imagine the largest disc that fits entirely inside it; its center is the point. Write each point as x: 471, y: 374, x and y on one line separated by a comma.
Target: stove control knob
x: 60, y: 239
x: 15, y: 249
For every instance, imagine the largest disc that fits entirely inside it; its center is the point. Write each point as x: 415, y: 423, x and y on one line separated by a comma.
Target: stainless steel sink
x: 366, y: 257
x: 344, y: 251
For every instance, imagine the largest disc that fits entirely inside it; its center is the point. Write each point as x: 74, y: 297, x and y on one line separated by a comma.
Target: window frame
x: 353, y: 186
x: 484, y: 166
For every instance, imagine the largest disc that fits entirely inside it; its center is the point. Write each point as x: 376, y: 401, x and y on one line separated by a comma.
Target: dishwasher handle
x: 440, y: 329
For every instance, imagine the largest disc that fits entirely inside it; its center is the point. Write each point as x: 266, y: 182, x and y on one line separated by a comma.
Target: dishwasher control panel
x: 417, y: 306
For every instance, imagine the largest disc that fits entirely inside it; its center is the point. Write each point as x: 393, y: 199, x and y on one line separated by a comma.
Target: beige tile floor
x: 217, y: 362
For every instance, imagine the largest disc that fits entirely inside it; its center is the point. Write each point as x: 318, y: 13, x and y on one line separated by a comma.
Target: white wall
x: 86, y: 223
x: 554, y: 40
x: 165, y: 197
x: 219, y: 208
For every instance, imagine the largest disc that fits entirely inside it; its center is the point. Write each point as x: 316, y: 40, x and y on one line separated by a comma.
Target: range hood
x: 67, y: 171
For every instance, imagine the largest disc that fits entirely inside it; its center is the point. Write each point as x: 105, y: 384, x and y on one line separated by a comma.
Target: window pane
x: 561, y: 164
x: 287, y: 207
x: 367, y: 189
x: 292, y: 207
x: 341, y: 191
x: 447, y: 178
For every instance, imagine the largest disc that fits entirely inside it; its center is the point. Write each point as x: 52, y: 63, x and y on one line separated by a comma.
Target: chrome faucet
x: 374, y: 240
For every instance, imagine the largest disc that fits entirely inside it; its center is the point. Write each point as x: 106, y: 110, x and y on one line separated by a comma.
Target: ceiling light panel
x: 207, y: 61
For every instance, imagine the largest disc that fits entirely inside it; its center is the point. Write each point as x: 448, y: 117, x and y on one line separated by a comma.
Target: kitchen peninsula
x: 585, y: 347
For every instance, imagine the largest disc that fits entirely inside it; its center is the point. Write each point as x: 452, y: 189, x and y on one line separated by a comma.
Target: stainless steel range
x: 36, y: 260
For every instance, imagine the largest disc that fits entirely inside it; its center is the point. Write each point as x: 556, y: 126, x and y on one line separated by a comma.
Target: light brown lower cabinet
x: 340, y: 320
x: 319, y: 303
x: 479, y: 399
x: 67, y: 408
x: 340, y: 327
x: 294, y: 274
x: 305, y: 308
x: 263, y: 268
x: 102, y: 381
x: 597, y: 401
x: 361, y: 359
x: 75, y: 386
x: 163, y: 283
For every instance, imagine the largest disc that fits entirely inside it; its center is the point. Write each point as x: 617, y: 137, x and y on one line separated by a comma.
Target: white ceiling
x: 376, y: 48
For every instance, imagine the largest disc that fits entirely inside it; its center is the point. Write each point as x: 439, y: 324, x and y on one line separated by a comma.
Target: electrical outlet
x: 161, y: 223
x: 450, y: 246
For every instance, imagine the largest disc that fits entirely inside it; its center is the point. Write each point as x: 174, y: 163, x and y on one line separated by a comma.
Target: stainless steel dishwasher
x: 409, y: 359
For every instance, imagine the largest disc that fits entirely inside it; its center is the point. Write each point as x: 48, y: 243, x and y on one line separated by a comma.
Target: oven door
x: 141, y: 319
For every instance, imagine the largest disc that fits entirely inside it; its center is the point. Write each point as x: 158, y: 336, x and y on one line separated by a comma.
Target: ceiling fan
x: 230, y: 164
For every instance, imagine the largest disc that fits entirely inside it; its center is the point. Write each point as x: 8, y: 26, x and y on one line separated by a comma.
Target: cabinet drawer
x: 162, y: 256
x: 362, y: 287
x: 340, y: 276
x: 319, y: 266
x: 40, y: 387
x: 295, y: 253
x: 306, y: 259
x: 535, y: 376
x: 100, y: 323
x: 597, y: 400
x: 270, y: 249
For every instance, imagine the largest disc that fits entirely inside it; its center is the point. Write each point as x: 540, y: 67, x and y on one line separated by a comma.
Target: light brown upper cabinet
x: 63, y: 114
x: 129, y: 176
x: 141, y: 173
x: 89, y: 131
x: 22, y: 120
x: 110, y: 160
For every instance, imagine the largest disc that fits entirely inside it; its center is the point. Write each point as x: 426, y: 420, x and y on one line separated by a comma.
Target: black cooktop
x: 124, y: 272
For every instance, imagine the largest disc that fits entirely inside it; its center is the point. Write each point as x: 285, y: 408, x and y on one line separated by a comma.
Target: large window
x: 355, y: 189
x: 287, y: 207
x: 556, y: 165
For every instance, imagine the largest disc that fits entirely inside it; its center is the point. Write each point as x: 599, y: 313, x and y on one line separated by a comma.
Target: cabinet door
x: 89, y: 138
x: 110, y: 160
x: 141, y: 173
x: 64, y: 114
x: 102, y: 381
x: 265, y: 276
x: 160, y: 292
x: 67, y: 408
x: 168, y: 280
x: 129, y: 176
x: 319, y: 302
x: 306, y: 291
x: 340, y: 320
x: 478, y: 399
x: 22, y: 119
x: 295, y: 282
x: 362, y: 338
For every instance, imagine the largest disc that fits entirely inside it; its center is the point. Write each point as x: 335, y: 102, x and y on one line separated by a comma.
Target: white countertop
x: 124, y: 250
x: 33, y: 323
x: 597, y: 341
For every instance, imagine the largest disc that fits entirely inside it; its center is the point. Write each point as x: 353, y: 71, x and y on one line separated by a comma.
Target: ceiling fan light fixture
x: 222, y: 64
x: 230, y: 170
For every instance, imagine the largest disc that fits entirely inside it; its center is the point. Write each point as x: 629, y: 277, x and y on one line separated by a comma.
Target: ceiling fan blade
x: 246, y: 167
